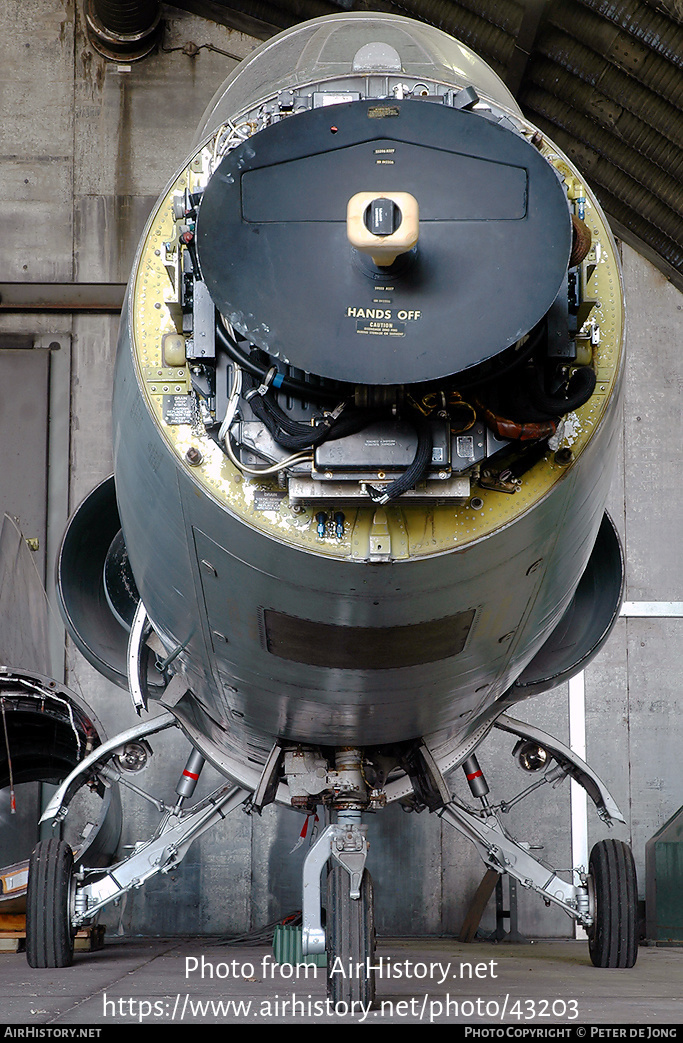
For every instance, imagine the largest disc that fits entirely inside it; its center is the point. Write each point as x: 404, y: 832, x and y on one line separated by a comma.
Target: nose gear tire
x: 350, y: 940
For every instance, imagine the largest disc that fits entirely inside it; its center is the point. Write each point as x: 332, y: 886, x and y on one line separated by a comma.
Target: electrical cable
x: 293, y: 434
x: 297, y: 388
x: 233, y: 399
x: 265, y: 933
x: 412, y: 475
x: 580, y: 387
x: 289, y: 461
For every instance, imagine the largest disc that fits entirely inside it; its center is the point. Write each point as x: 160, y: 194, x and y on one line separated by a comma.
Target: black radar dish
x: 493, y: 244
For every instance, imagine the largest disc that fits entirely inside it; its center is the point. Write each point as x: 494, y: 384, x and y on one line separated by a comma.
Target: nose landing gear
x: 350, y: 939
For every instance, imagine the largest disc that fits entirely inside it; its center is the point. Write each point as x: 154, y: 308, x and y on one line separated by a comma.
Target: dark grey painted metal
x: 587, y: 622
x: 485, y: 195
x: 251, y: 695
x: 83, y: 598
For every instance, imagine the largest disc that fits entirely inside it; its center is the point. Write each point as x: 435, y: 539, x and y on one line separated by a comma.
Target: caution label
x: 268, y: 500
x: 383, y: 322
x: 381, y: 328
x: 178, y: 409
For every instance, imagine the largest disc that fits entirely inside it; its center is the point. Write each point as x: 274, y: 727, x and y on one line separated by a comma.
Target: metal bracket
x: 350, y: 848
x: 571, y: 762
x: 58, y: 807
x: 266, y: 790
x: 448, y: 755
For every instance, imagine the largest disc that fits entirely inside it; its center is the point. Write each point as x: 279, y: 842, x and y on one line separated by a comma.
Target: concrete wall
x: 86, y: 148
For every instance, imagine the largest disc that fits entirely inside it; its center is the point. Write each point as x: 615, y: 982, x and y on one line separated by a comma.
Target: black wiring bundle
x: 294, y: 435
x: 298, y: 388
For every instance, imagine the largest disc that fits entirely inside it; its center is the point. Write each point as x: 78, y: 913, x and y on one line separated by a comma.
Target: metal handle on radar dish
x: 393, y: 228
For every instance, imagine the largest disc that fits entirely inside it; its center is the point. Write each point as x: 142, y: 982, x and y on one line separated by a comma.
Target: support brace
x: 578, y: 769
x: 137, y: 659
x: 159, y: 855
x: 500, y: 852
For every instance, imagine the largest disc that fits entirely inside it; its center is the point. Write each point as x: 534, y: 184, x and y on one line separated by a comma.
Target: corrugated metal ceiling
x: 603, y: 78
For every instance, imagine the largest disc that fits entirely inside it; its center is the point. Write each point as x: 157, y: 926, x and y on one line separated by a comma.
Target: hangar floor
x: 157, y: 982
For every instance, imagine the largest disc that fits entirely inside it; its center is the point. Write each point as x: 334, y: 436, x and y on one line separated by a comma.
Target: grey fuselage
x: 284, y: 638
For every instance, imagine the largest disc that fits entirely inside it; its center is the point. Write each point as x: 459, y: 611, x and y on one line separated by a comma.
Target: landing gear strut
x: 340, y: 852
x: 60, y: 901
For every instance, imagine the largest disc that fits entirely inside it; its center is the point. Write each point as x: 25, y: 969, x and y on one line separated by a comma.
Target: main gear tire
x: 613, y: 936
x: 350, y: 940
x: 49, y: 905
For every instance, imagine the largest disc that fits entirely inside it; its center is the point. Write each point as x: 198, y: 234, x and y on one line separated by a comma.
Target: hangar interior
x: 88, y: 144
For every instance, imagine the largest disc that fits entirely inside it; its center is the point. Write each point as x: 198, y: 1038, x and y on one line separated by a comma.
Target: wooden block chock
x: 383, y: 224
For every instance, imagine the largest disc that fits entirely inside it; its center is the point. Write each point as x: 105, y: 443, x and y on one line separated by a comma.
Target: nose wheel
x: 350, y: 940
x: 49, y: 905
x: 613, y: 936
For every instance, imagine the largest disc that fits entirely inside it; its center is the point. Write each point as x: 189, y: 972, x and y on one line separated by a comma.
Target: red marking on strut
x: 304, y: 829
x: 474, y: 775
x: 191, y: 774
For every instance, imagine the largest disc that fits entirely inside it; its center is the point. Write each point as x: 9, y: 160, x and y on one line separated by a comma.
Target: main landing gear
x: 347, y: 782
x: 602, y: 897
x: 50, y: 905
x: 613, y: 891
x: 62, y: 899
